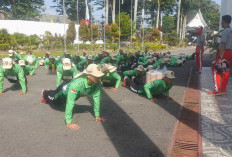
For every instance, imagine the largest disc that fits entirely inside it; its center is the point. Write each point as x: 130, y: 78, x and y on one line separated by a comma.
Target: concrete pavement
x: 135, y: 126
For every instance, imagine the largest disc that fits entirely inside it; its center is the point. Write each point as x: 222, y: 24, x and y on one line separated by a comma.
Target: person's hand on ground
x: 153, y: 100
x: 1, y: 94
x: 73, y: 126
x: 23, y: 93
x: 114, y: 89
x: 100, y: 119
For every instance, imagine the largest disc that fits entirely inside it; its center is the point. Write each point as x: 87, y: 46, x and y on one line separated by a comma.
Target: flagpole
x: 119, y: 24
x: 143, y: 26
x: 131, y: 26
x: 161, y: 27
x: 64, y: 12
x: 78, y: 46
x: 91, y: 26
x: 105, y: 27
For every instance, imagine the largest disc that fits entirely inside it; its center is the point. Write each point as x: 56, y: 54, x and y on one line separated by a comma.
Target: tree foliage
x: 71, y: 33
x: 51, y: 42
x: 125, y: 25
x: 22, y: 9
x: 71, y: 9
x: 211, y: 13
x: 114, y: 32
x: 168, y: 24
x: 84, y: 31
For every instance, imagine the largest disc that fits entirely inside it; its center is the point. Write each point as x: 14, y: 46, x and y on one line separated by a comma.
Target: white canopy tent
x: 34, y: 27
x: 196, y: 22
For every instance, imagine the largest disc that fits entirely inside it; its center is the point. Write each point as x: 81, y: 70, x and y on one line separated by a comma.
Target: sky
x: 52, y: 11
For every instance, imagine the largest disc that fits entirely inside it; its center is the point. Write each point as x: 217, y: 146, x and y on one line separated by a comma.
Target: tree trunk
x: 158, y: 15
x: 184, y: 27
x: 113, y: 11
x: 135, y: 12
x: 107, y: 12
x: 178, y: 18
x: 181, y: 26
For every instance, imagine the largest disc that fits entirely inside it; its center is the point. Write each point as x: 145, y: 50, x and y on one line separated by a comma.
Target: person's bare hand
x: 73, y: 126
x: 100, y: 119
x: 153, y: 100
x: 1, y: 94
x: 23, y: 93
x: 114, y: 89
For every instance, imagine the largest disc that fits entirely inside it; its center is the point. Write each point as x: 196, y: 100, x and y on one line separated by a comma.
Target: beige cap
x: 92, y: 69
x: 112, y: 68
x: 150, y: 67
x: 149, y: 60
x: 30, y: 60
x: 67, y: 64
x: 41, y: 62
x: 104, y: 68
x: 11, y: 52
x: 7, y: 63
x: 90, y: 57
x: 140, y: 68
x: 166, y: 60
x: 169, y: 74
x: 154, y: 59
x: 22, y: 63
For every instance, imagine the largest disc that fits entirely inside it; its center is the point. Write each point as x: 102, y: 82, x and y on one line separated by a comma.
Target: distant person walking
x: 221, y: 69
x: 199, y: 48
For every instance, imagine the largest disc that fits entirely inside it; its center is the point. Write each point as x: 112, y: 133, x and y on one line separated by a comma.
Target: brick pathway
x: 216, y: 115
x: 186, y: 140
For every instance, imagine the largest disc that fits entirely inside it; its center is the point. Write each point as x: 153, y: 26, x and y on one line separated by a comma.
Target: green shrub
x: 4, y: 46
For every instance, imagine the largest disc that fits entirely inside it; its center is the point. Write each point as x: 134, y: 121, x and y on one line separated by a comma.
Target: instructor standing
x: 221, y: 70
x: 199, y: 48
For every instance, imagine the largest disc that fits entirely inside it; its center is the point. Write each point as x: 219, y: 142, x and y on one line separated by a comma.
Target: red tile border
x: 186, y: 140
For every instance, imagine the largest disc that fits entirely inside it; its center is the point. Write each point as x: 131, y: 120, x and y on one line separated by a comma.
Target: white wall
x: 38, y: 28
x: 226, y: 9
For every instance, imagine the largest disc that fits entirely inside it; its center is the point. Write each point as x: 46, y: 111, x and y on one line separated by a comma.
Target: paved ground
x: 216, y: 119
x: 134, y: 127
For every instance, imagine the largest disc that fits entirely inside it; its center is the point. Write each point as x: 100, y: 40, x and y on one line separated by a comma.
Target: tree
x: 95, y: 32
x: 168, y: 24
x: 113, y: 11
x: 156, y: 35
x: 108, y: 33
x: 71, y: 8
x: 125, y: 25
x: 114, y: 32
x: 84, y: 31
x: 211, y: 13
x: 135, y: 12
x: 22, y: 9
x: 71, y: 33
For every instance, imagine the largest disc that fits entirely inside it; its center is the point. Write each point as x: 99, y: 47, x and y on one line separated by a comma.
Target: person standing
x: 224, y: 56
x: 199, y: 49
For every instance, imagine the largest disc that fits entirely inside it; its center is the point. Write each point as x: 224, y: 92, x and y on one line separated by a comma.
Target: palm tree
x: 113, y: 11
x: 158, y: 14
x: 107, y: 11
x: 135, y: 12
x: 178, y: 17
